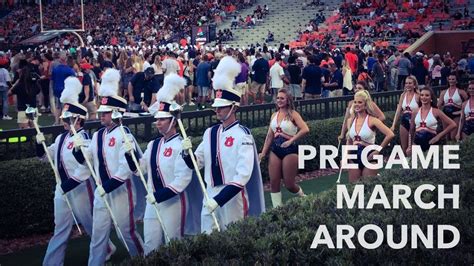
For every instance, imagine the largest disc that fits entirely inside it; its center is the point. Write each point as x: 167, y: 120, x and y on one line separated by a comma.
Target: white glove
x: 78, y: 141
x: 150, y: 198
x: 128, y: 147
x: 40, y: 138
x: 211, y: 205
x: 186, y: 144
x: 101, y: 190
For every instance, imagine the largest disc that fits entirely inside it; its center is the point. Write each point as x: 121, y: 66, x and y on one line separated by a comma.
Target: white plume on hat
x: 225, y: 73
x: 172, y: 84
x: 72, y: 89
x: 110, y: 83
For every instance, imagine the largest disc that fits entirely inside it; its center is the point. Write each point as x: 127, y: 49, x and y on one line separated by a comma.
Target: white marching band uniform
x: 79, y: 187
x: 77, y: 183
x: 229, y: 158
x: 123, y: 195
x: 232, y: 174
x: 168, y: 177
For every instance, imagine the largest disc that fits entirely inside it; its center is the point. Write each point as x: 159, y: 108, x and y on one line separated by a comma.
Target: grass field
x: 78, y: 249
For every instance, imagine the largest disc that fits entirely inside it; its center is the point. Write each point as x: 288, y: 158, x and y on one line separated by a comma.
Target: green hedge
x: 27, y: 191
x: 284, y: 235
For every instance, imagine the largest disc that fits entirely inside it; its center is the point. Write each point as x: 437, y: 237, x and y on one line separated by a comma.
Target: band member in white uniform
x: 76, y: 181
x: 228, y: 155
x: 406, y: 106
x: 286, y: 128
x: 362, y: 133
x: 117, y: 182
x: 168, y: 174
x: 424, y: 123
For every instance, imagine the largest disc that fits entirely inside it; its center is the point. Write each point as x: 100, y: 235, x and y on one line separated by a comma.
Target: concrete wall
x: 441, y: 42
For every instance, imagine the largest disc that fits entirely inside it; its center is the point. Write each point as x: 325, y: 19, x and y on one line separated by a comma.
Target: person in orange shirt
x: 183, y: 42
x: 352, y: 61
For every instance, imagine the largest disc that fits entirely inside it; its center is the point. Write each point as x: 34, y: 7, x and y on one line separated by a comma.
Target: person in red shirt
x: 183, y: 42
x: 114, y: 41
x: 352, y: 60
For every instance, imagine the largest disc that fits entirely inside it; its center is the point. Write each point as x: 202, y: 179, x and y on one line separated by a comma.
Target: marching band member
x: 228, y: 155
x: 107, y: 151
x: 76, y: 182
x: 168, y: 174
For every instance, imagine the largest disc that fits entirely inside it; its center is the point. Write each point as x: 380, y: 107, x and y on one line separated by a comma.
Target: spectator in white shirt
x: 170, y: 64
x: 5, y: 80
x: 276, y: 76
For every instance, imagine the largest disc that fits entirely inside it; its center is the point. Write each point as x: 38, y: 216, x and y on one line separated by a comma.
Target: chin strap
x: 228, y: 114
x: 170, y: 126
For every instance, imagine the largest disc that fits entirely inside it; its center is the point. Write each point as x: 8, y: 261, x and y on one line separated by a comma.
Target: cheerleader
x: 360, y: 86
x: 424, y: 122
x: 466, y: 124
x: 450, y: 101
x: 362, y: 125
x: 407, y: 105
x: 286, y: 128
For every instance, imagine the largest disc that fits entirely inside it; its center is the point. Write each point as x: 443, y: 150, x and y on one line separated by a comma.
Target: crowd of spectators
x: 384, y: 23
x: 251, y: 20
x: 123, y: 23
x: 224, y: 36
x: 318, y: 70
x: 307, y: 73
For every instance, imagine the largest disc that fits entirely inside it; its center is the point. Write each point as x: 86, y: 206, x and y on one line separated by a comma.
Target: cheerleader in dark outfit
x: 466, y: 123
x: 450, y: 101
x: 286, y: 128
x: 407, y: 105
x: 362, y: 126
x: 424, y: 122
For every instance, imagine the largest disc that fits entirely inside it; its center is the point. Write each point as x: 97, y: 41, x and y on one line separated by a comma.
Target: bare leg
x: 354, y: 175
x: 289, y: 172
x: 452, y: 134
x: 404, y: 138
x: 369, y: 172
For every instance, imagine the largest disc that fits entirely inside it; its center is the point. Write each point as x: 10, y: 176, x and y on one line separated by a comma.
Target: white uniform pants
x: 81, y: 199
x: 234, y: 210
x: 173, y: 212
x: 121, y: 201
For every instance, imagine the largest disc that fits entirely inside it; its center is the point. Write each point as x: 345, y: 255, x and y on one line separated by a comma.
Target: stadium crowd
x: 37, y: 76
x: 127, y: 23
x: 319, y: 69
